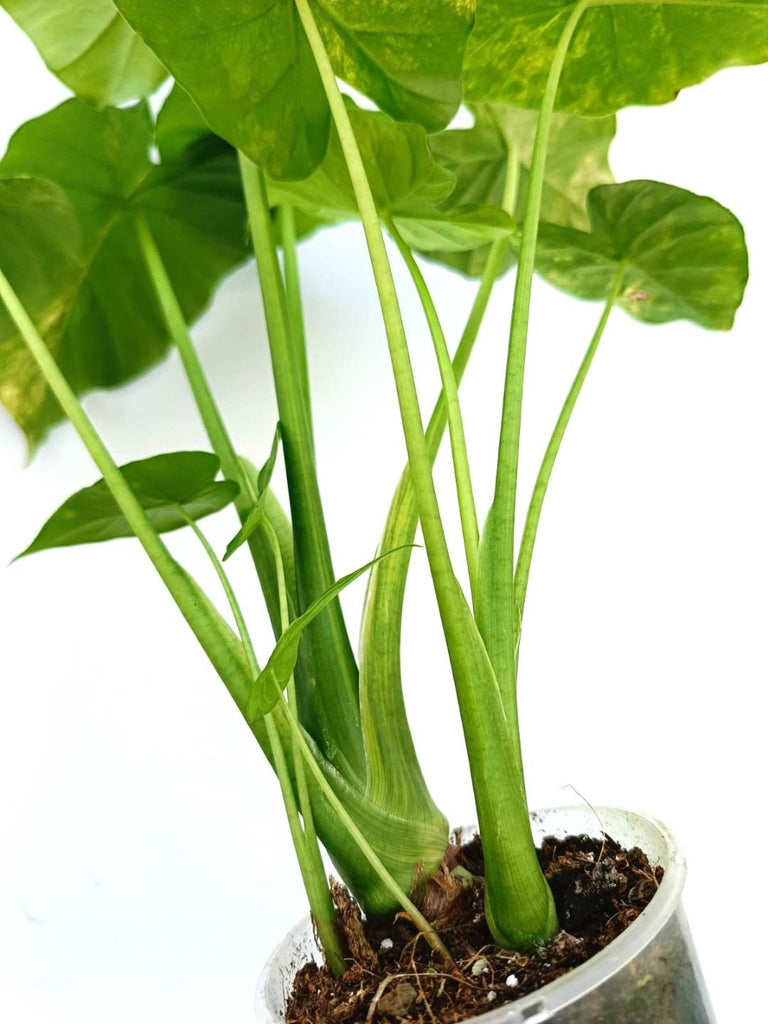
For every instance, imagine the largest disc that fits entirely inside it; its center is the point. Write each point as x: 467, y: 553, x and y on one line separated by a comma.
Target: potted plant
x: 117, y: 227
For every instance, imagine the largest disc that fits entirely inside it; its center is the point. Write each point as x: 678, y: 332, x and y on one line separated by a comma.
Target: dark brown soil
x: 393, y: 975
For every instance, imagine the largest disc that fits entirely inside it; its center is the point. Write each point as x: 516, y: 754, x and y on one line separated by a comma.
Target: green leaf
x: 684, y: 256
x: 248, y: 66
x: 577, y: 160
x: 253, y: 520
x: 265, y: 473
x: 621, y: 54
x: 408, y: 185
x: 277, y: 672
x: 169, y: 487
x: 89, y: 46
x: 400, y: 168
x: 257, y: 514
x: 405, y: 54
x: 453, y: 231
x: 179, y: 125
x: 110, y: 327
x: 40, y: 255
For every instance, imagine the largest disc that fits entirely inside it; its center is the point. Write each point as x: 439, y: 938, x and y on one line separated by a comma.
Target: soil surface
x: 393, y: 975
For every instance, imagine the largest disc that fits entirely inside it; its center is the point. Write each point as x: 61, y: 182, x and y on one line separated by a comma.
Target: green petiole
x: 496, y: 613
x: 467, y: 509
x: 523, y: 568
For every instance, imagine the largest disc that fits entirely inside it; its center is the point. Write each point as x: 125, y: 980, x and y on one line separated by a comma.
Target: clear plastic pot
x: 648, y: 975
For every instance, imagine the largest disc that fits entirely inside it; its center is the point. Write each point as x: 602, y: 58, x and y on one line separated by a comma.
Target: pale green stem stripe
x: 497, y: 617
x: 463, y: 477
x: 523, y: 568
x: 304, y: 843
x: 287, y: 225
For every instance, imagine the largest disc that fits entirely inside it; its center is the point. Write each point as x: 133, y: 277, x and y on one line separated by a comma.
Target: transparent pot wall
x: 649, y: 975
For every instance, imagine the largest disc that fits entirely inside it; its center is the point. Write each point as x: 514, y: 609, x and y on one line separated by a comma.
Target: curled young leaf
x: 265, y: 473
x: 110, y: 326
x: 248, y: 66
x: 171, y: 489
x: 621, y: 53
x: 257, y: 514
x: 683, y: 256
x: 89, y: 46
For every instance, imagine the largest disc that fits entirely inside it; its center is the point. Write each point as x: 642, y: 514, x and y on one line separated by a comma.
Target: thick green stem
x: 523, y: 567
x: 466, y: 498
x: 304, y: 841
x: 496, y: 611
x: 519, y: 904
x: 334, y: 667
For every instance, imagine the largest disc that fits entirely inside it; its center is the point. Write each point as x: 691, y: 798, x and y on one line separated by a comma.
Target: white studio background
x: 145, y: 867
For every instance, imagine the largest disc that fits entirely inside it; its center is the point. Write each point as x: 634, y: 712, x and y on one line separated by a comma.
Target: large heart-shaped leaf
x: 248, y: 66
x: 172, y: 489
x: 621, y: 53
x: 110, y: 327
x: 90, y: 47
x: 577, y: 161
x: 408, y: 185
x: 683, y: 256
